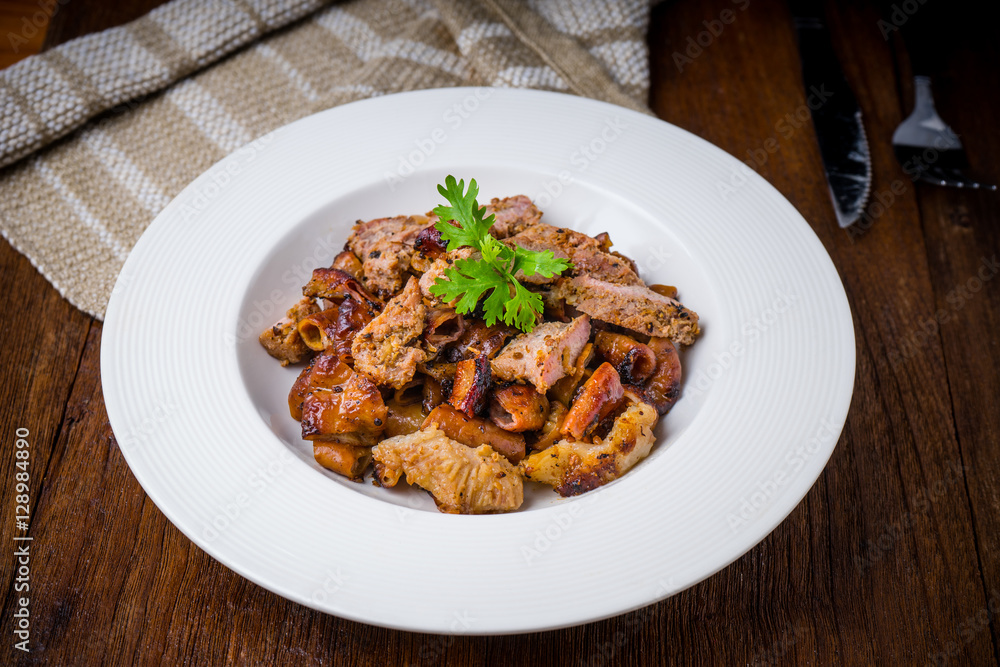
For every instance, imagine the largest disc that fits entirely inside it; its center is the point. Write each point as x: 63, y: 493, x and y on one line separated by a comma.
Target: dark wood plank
x: 899, y: 439
x: 962, y: 230
x: 43, y: 339
x: 890, y: 558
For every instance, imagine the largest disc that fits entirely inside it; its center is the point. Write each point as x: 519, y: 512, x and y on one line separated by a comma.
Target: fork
x: 927, y: 148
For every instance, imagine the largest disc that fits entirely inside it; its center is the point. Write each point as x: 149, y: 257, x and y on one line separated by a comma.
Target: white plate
x: 199, y: 408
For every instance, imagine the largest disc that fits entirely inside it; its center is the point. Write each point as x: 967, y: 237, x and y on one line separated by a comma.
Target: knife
x: 836, y: 116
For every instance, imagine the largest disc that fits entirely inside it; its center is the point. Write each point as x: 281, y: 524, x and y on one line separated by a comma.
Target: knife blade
x: 836, y: 116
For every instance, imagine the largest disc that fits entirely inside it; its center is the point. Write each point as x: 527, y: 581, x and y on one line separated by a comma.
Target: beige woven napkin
x: 99, y: 134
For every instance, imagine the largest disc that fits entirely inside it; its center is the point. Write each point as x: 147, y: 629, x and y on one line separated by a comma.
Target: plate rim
x: 120, y: 293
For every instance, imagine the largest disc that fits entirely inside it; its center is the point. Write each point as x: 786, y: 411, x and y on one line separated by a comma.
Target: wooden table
x: 894, y: 555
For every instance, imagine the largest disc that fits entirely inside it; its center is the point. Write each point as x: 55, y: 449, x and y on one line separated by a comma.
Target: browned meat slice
x: 475, y: 432
x: 634, y: 361
x: 600, y: 396
x: 401, y: 228
x: 544, y: 355
x: 519, y: 408
x: 386, y: 349
x: 663, y: 388
x: 513, y: 215
x: 478, y: 339
x: 633, y: 307
x: 462, y: 480
x: 282, y: 339
x: 471, y: 386
x: 584, y: 251
x: 348, y: 460
x: 437, y: 269
x: 385, y: 247
x: 336, y: 285
x: 574, y: 467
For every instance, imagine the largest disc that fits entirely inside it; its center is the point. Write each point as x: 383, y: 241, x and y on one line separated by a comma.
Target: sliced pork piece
x: 387, y: 348
x: 633, y: 307
x: 462, y: 480
x: 544, y: 355
x: 513, y: 215
x: 385, y: 248
x: 574, y: 467
x: 584, y: 251
x: 401, y: 229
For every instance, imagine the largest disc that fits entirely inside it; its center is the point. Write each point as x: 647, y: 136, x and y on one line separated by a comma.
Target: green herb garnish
x: 468, y: 280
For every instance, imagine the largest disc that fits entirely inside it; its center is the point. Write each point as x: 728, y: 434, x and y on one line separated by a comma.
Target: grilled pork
x: 544, y: 355
x: 634, y: 307
x: 586, y: 253
x: 387, y: 348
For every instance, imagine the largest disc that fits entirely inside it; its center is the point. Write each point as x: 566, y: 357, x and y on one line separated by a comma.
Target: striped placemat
x: 99, y: 134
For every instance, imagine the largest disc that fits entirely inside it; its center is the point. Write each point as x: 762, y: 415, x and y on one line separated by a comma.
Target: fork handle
x: 919, y: 38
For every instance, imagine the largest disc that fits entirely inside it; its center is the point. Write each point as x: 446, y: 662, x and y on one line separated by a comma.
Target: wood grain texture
x: 892, y: 558
x: 23, y: 26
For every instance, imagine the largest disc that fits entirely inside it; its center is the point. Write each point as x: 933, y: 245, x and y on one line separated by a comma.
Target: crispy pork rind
x: 575, y: 467
x: 462, y: 480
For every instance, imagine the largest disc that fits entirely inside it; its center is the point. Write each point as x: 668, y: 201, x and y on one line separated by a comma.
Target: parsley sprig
x: 469, y: 280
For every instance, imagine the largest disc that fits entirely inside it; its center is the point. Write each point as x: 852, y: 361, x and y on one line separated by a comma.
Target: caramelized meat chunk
x: 282, y: 340
x: 471, y: 386
x: 634, y: 361
x: 473, y: 432
x: 387, y: 348
x: 351, y: 461
x: 664, y: 387
x: 598, y: 398
x: 519, y: 408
